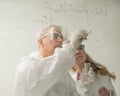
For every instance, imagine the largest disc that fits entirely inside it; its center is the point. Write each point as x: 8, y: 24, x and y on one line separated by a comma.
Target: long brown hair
x: 97, y: 67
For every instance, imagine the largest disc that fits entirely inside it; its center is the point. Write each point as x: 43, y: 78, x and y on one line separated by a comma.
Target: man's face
x: 52, y: 41
x: 57, y: 39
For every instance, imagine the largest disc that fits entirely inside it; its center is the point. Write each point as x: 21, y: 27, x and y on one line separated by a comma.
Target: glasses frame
x: 81, y: 47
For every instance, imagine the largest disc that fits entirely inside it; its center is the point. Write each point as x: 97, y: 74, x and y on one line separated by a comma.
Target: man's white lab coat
x: 48, y: 76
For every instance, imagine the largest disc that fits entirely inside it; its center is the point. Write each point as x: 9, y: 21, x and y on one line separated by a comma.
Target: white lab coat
x: 48, y: 76
x: 93, y: 88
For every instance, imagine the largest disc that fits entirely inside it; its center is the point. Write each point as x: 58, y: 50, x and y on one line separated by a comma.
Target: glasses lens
x: 57, y: 35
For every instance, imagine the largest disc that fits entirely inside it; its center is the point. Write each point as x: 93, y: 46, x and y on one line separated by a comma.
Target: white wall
x: 20, y: 20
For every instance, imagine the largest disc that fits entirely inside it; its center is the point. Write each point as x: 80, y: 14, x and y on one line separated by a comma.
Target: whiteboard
x: 20, y: 20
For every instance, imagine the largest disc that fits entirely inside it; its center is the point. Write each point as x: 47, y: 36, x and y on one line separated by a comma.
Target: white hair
x: 46, y: 29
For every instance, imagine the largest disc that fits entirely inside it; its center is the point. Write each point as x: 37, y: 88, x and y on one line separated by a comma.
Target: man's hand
x: 78, y: 37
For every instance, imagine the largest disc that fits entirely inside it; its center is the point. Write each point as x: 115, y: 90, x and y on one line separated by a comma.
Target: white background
x: 21, y: 19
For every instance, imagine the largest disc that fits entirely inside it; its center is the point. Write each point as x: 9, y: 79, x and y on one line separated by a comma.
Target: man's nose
x: 60, y: 39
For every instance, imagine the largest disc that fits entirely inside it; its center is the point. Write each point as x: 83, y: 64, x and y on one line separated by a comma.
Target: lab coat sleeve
x: 102, y: 81
x: 34, y: 78
x: 109, y: 84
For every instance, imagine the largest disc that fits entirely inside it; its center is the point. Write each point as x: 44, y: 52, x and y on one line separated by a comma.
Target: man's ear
x: 40, y: 42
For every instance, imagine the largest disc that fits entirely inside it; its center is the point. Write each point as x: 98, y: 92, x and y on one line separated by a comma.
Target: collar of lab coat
x: 74, y: 75
x: 35, y: 55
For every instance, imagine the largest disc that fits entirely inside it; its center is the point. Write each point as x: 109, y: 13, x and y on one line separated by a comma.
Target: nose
x: 60, y: 39
x: 78, y: 51
x: 79, y: 54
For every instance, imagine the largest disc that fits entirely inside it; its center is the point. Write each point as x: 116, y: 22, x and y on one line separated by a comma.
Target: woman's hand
x: 103, y: 91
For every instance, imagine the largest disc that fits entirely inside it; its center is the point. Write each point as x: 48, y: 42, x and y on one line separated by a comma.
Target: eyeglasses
x: 81, y: 47
x: 53, y: 35
x: 56, y: 36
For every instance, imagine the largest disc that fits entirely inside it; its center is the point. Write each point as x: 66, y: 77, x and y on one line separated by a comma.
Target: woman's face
x: 80, y: 56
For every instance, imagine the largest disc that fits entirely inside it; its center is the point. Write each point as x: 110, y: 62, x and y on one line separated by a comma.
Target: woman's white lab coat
x: 92, y: 89
x: 48, y: 76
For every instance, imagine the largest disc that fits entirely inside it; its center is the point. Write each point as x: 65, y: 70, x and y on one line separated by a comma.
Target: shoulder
x: 104, y: 78
x: 26, y: 62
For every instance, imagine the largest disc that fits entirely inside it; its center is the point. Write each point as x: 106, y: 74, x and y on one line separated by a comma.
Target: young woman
x: 92, y: 78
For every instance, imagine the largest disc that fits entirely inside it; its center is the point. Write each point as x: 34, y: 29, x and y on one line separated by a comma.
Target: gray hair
x: 46, y: 29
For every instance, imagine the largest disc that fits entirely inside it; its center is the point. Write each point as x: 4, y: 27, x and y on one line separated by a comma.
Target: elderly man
x: 45, y: 72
